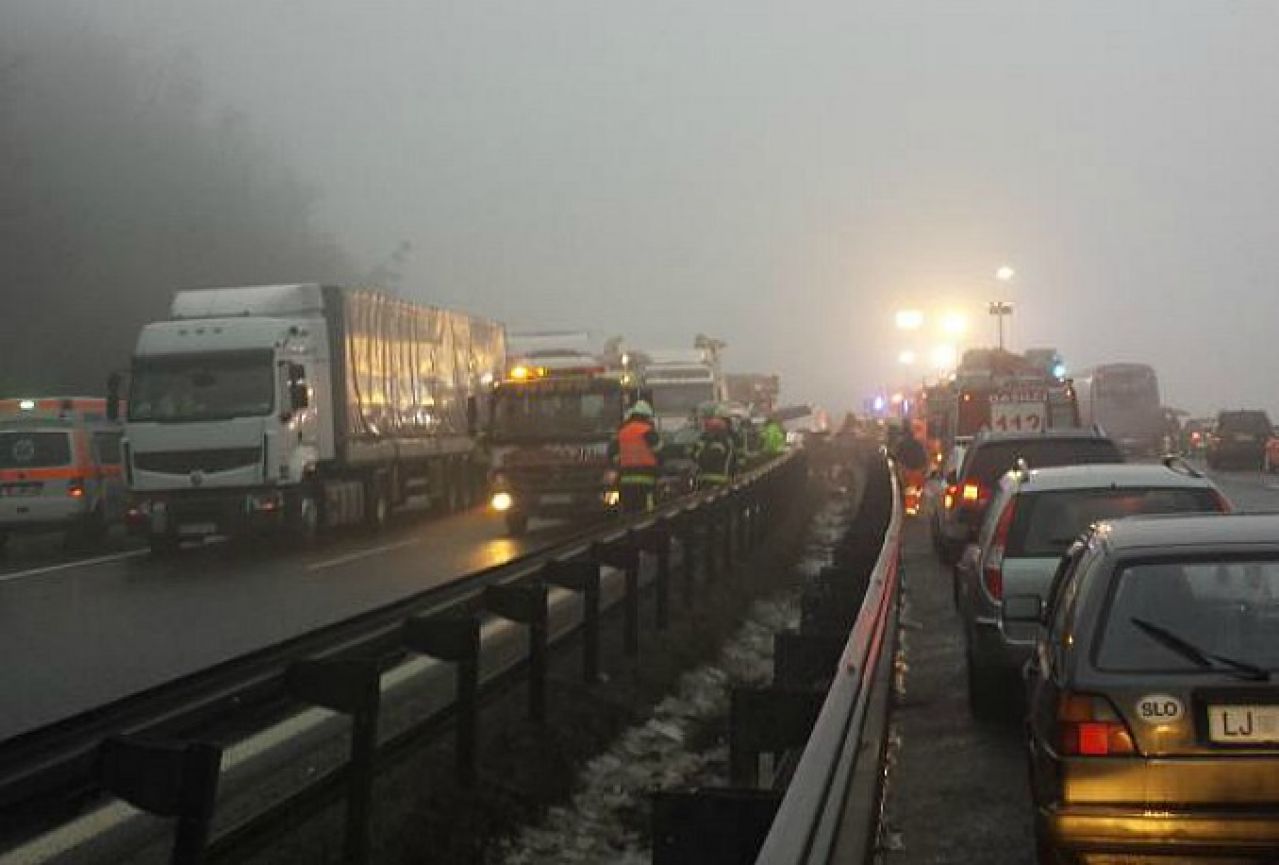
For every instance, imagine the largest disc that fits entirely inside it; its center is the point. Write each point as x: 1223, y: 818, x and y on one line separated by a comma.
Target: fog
x: 783, y: 178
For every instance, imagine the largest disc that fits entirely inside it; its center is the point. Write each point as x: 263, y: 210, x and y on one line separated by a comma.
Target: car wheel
x: 987, y: 700
x: 516, y: 523
x: 163, y: 544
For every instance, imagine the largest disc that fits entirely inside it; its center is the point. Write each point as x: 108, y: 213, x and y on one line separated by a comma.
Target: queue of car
x: 1134, y: 620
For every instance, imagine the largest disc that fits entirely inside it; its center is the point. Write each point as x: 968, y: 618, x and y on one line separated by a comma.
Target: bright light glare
x: 954, y: 323
x: 906, y: 358
x: 879, y: 403
x: 898, y: 399
x: 27, y: 405
x: 502, y: 501
x: 943, y: 356
x: 910, y: 319
x: 1005, y: 273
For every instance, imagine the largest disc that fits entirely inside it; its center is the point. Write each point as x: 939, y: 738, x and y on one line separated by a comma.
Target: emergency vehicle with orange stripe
x: 59, y: 468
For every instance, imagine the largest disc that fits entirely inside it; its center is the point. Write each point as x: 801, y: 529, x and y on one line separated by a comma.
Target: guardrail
x: 82, y: 788
x: 830, y: 810
x: 823, y: 719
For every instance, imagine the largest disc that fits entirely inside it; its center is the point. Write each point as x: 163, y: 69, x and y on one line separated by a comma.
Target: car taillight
x: 971, y: 493
x: 993, y: 568
x: 75, y: 488
x: 1089, y: 726
x: 948, y: 498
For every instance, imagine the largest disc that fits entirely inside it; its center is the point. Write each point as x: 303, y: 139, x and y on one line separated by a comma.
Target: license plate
x: 1243, y: 724
x: 1242, y: 437
x: 556, y: 499
x: 20, y: 490
x: 197, y: 528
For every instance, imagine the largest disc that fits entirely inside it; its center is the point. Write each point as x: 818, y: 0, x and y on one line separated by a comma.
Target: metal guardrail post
x: 525, y: 603
x: 710, y: 561
x: 178, y: 780
x: 456, y: 639
x: 803, y: 660
x: 726, y: 529
x: 657, y: 541
x: 624, y: 553
x: 688, y: 555
x: 349, y: 686
x: 582, y: 576
x: 768, y: 720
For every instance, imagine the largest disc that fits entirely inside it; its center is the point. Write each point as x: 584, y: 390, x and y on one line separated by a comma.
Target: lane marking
x: 79, y: 563
x: 362, y: 554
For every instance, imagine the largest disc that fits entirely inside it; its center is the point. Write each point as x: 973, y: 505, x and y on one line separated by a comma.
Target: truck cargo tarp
x: 410, y: 368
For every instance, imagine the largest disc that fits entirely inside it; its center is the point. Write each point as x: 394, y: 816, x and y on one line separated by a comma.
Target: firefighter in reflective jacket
x: 637, y: 451
x: 715, y: 453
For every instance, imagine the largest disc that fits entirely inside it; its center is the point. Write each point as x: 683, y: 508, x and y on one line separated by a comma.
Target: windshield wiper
x: 1197, y: 656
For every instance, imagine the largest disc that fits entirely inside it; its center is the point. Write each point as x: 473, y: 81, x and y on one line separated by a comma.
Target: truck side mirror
x: 113, y: 396
x: 299, y: 394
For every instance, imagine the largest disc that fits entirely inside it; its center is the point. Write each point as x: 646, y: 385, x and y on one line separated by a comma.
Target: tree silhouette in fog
x: 118, y: 184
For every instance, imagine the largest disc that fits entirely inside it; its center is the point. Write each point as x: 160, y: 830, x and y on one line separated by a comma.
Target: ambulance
x: 60, y: 468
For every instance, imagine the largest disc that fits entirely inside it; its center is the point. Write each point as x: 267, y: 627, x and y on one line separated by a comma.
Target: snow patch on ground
x: 607, y: 820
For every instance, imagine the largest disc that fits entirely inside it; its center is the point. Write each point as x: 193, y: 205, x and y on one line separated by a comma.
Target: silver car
x: 1033, y: 518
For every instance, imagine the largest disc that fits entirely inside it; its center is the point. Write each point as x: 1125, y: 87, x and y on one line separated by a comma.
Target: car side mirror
x: 113, y: 396
x: 1023, y: 609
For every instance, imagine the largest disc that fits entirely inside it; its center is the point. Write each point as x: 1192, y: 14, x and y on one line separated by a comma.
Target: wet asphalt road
x: 77, y: 632
x: 958, y: 790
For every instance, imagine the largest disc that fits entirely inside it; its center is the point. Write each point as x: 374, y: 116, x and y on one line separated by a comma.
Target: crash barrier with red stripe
x: 823, y: 720
x: 88, y: 789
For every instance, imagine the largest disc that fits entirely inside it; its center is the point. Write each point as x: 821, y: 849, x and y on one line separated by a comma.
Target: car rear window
x: 989, y: 461
x: 1225, y: 608
x: 1245, y: 421
x: 29, y: 450
x: 1044, y: 524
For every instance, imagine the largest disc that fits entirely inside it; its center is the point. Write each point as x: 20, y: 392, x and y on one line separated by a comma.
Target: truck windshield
x: 530, y: 411
x: 202, y: 387
x: 670, y: 399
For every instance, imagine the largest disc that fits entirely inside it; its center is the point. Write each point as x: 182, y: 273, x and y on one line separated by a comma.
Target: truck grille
x: 556, y: 477
x: 185, y: 462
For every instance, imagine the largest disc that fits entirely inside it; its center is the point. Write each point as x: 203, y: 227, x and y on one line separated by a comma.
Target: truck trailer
x: 296, y: 408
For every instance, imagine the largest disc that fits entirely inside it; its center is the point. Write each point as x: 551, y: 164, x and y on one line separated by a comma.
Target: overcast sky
x: 786, y: 175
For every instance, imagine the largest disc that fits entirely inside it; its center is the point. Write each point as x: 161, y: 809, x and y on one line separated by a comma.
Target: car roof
x: 1107, y: 475
x: 1192, y: 532
x: 1068, y: 434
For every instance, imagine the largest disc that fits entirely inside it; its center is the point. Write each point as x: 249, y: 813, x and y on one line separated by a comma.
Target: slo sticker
x: 1159, y: 708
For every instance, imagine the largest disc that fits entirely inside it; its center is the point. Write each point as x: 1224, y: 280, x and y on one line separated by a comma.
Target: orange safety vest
x: 633, y: 452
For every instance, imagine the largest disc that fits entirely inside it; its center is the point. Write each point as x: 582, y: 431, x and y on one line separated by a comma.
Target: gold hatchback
x: 1153, y: 714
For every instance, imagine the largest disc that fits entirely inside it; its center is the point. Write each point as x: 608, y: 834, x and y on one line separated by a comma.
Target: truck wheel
x: 165, y: 544
x: 377, y: 509
x: 516, y: 523
x: 304, y: 519
x: 87, y: 533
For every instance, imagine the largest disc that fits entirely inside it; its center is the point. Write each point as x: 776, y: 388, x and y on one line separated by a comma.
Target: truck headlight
x: 502, y: 501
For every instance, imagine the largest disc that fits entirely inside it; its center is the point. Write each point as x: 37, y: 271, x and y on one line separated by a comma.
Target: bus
x: 1123, y: 399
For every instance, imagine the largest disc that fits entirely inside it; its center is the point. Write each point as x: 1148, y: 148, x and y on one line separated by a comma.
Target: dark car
x: 970, y: 490
x: 1239, y: 440
x: 1153, y: 710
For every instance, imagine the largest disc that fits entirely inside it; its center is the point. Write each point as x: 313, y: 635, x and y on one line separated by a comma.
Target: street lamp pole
x: 999, y: 309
